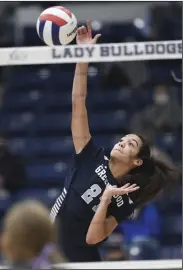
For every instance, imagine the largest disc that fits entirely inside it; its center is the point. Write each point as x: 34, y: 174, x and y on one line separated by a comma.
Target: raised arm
x: 79, y: 126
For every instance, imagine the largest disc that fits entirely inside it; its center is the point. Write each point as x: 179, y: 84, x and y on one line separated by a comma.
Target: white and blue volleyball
x: 56, y: 26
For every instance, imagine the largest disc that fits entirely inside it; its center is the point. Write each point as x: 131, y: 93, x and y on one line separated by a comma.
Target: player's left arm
x: 100, y: 226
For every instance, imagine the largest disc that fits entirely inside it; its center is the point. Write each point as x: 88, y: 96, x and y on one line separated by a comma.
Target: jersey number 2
x: 91, y: 193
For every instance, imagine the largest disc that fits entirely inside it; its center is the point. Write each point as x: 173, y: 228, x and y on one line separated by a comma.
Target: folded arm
x: 100, y: 226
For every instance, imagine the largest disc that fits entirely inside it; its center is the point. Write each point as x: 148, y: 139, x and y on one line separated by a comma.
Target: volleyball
x: 56, y: 26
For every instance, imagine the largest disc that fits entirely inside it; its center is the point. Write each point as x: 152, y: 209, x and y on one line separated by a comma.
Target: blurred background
x: 142, y: 97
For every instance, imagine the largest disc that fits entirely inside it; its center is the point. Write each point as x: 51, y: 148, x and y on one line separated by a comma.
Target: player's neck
x: 117, y: 170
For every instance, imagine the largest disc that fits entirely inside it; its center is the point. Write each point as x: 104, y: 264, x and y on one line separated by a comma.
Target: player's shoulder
x: 91, y: 151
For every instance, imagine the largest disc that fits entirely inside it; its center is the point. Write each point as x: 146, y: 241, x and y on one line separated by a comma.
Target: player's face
x: 127, y: 149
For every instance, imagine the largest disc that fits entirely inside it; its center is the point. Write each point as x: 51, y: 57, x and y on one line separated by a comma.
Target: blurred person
x: 100, y: 193
x: 163, y: 115
x: 12, y: 171
x: 29, y: 238
x: 114, y: 253
x: 113, y: 249
x: 114, y: 78
x: 142, y: 231
x: 7, y: 22
x: 166, y: 20
x: 143, y: 248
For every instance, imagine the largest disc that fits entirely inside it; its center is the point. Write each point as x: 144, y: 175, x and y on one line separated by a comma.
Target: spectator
x: 144, y: 222
x: 12, y: 171
x: 163, y: 115
x: 115, y: 78
x: 166, y: 20
x: 113, y: 249
x: 29, y: 237
x: 141, y: 233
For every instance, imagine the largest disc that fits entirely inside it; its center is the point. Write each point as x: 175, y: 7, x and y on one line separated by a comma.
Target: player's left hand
x: 113, y: 190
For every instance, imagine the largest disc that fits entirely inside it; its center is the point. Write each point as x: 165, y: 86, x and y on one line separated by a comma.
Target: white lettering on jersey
x: 101, y: 172
x: 57, y: 205
x: 119, y: 200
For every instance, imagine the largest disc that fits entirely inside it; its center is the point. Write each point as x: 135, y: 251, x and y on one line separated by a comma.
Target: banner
x: 135, y: 51
x: 130, y: 265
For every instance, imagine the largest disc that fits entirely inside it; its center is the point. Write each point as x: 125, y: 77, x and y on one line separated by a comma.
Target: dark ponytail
x: 152, y: 176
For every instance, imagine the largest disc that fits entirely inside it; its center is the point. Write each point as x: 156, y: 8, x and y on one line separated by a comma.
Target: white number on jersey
x: 91, y: 193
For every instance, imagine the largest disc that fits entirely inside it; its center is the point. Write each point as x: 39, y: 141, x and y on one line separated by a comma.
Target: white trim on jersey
x: 57, y: 205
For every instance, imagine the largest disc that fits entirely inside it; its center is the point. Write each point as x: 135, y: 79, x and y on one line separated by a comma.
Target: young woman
x: 29, y: 237
x: 100, y: 193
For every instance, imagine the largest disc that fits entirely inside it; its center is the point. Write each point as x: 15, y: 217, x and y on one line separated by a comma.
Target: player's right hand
x: 84, y: 35
x: 113, y: 190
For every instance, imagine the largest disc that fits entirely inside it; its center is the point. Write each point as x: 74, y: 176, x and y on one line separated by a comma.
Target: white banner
x: 130, y: 265
x: 135, y: 51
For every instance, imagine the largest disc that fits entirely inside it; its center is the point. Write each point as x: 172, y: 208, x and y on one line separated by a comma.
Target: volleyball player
x: 29, y: 237
x: 100, y: 193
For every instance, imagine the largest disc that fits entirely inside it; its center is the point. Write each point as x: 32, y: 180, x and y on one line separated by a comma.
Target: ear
x: 138, y: 162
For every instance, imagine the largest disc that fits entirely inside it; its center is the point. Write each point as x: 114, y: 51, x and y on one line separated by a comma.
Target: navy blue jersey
x: 84, y: 186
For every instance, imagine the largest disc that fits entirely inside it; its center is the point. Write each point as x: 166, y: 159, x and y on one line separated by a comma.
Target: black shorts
x: 73, y: 234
